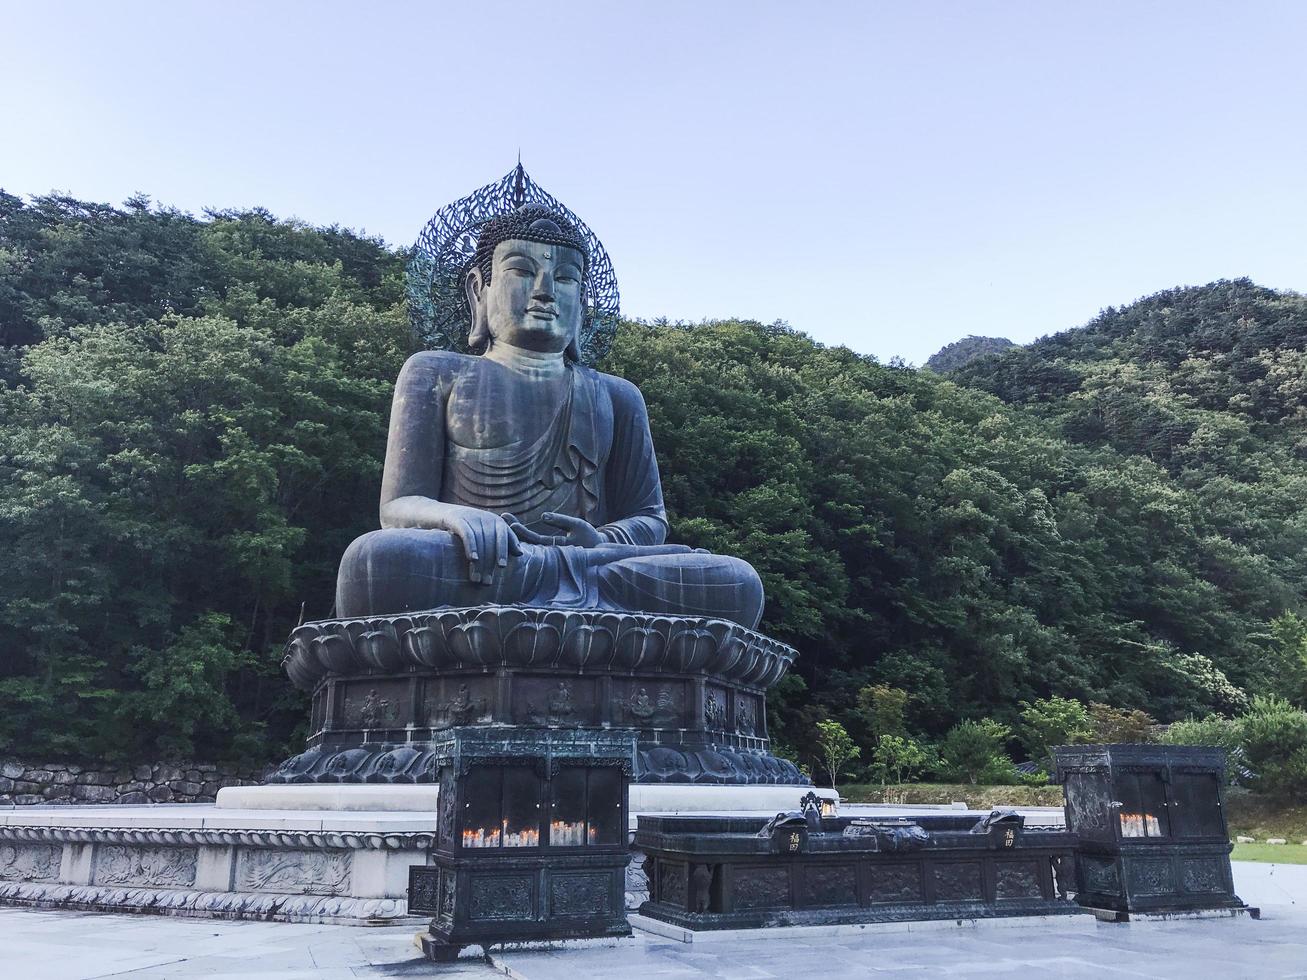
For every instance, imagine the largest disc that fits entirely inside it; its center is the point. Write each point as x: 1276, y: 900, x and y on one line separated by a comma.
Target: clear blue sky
x: 891, y: 176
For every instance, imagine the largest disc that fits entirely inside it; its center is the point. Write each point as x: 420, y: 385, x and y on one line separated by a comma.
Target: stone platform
x: 335, y: 854
x: 645, y: 798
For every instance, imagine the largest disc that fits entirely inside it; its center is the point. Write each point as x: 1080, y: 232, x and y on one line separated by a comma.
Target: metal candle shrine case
x: 1152, y: 828
x: 532, y: 837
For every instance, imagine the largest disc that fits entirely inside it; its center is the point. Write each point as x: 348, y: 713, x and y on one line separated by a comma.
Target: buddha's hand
x: 487, y: 541
x: 577, y: 532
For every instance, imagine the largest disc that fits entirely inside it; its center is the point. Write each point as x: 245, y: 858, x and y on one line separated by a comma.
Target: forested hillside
x: 1206, y: 387
x: 194, y: 418
x: 190, y: 438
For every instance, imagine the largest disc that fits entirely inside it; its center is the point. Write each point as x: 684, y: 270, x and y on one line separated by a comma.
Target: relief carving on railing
x: 167, y: 867
x: 29, y: 862
x: 294, y: 872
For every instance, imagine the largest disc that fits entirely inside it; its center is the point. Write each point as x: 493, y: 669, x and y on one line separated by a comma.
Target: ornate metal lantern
x: 1152, y: 829
x: 532, y: 837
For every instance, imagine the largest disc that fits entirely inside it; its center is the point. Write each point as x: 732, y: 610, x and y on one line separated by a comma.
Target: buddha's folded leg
x: 410, y: 569
x: 694, y: 584
x: 400, y: 570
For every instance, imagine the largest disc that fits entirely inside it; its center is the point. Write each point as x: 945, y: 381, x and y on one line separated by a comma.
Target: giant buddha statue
x: 521, y: 574
x: 516, y: 475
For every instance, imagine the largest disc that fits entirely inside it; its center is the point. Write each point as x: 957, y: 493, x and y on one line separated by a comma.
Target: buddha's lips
x: 542, y: 313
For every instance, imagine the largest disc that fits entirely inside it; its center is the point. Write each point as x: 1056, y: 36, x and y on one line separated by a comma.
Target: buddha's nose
x: 544, y: 288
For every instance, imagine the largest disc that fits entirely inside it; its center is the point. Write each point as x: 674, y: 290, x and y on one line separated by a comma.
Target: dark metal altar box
x: 1152, y: 827
x: 531, y: 840
x: 717, y: 873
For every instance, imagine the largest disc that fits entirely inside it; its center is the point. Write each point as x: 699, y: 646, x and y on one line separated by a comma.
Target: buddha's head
x: 526, y: 282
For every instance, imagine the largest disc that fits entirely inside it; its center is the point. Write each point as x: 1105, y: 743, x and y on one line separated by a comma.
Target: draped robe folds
x: 593, y: 459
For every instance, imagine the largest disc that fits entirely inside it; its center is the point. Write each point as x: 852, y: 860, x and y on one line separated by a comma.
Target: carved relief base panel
x: 1173, y: 878
x: 384, y: 689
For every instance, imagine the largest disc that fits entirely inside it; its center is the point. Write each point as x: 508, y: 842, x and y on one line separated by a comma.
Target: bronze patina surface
x: 522, y: 573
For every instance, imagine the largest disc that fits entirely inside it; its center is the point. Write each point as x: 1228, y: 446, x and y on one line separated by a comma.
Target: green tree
x: 194, y: 419
x: 1273, y: 735
x: 974, y: 752
x: 1119, y: 724
x: 1052, y: 721
x: 835, y: 748
x: 1213, y: 730
x: 1287, y: 661
x: 185, y: 684
x: 883, y: 709
x: 191, y: 437
x: 898, y: 759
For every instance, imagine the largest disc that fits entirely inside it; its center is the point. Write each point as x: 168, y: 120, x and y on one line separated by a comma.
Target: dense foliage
x: 194, y: 417
x: 1202, y: 392
x: 1273, y: 736
x: 192, y: 429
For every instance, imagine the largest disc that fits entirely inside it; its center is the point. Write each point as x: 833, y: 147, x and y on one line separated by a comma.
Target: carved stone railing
x: 171, y: 837
x: 255, y: 872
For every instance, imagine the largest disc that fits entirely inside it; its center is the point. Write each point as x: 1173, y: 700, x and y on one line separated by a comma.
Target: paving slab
x: 46, y: 945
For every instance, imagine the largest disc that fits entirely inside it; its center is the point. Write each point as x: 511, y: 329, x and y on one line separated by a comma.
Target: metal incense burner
x: 1152, y: 829
x: 532, y: 837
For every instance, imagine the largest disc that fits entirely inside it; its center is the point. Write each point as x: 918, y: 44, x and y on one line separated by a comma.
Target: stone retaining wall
x: 25, y: 784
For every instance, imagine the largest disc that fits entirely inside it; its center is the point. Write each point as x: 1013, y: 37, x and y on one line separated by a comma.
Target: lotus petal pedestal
x: 693, y: 689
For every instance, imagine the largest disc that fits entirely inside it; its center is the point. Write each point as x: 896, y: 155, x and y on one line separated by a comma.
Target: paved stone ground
x: 37, y: 945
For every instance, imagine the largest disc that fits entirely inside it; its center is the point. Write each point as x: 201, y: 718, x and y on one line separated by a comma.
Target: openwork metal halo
x: 443, y: 254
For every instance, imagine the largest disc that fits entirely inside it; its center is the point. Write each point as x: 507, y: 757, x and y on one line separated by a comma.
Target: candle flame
x: 563, y: 833
x: 1140, y: 825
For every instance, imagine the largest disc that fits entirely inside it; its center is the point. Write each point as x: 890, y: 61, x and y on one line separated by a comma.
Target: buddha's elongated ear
x: 573, y: 351
x: 478, y: 336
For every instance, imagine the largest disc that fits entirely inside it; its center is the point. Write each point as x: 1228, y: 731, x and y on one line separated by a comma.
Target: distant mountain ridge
x: 1230, y: 347
x: 962, y: 352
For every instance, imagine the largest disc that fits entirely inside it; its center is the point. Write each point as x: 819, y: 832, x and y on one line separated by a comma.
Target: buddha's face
x: 533, y: 300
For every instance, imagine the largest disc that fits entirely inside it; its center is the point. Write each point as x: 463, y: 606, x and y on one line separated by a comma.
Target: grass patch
x: 976, y: 797
x: 1270, y: 853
